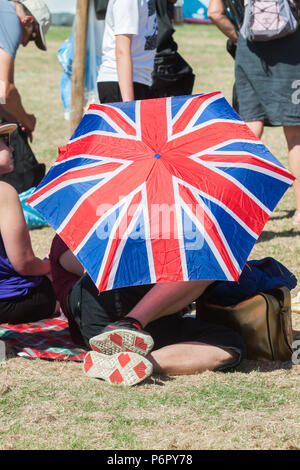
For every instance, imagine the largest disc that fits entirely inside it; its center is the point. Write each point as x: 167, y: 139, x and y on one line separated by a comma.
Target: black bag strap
x: 234, y: 10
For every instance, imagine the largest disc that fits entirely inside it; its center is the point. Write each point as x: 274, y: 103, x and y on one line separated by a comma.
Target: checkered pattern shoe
x: 125, y: 368
x: 124, y: 335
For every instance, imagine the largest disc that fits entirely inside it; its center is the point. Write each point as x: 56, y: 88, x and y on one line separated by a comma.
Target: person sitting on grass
x: 133, y: 331
x: 26, y: 293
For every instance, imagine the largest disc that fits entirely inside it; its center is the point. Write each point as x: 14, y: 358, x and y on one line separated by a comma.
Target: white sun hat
x: 42, y: 16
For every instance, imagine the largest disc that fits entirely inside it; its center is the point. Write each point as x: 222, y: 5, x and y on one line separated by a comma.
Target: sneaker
x: 125, y: 368
x: 124, y: 335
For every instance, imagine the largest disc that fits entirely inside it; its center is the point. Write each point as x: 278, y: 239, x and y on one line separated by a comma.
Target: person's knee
x: 257, y: 127
x: 292, y: 135
x: 226, y: 358
x: 193, y: 358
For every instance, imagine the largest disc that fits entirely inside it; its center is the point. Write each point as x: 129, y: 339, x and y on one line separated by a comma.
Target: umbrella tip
x: 157, y: 155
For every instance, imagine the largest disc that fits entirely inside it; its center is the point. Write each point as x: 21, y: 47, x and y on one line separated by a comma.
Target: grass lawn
x: 52, y: 405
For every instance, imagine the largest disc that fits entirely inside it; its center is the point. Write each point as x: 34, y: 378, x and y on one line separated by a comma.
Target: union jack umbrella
x: 160, y: 190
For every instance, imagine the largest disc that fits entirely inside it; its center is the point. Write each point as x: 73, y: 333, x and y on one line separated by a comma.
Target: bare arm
x: 216, y: 13
x: 6, y: 115
x: 15, y: 235
x: 124, y: 66
x: 6, y: 159
x: 10, y: 97
x: 70, y: 263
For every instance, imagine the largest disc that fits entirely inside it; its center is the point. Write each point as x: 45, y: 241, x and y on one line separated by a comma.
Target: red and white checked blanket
x: 46, y: 339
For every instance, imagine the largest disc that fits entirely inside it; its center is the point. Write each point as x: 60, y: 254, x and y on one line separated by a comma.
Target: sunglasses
x: 6, y: 138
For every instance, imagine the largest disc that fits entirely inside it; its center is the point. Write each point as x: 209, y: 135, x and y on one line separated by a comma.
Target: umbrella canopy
x: 160, y: 190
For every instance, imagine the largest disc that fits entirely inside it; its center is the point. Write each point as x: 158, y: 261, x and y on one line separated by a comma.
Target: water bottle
x: 178, y: 15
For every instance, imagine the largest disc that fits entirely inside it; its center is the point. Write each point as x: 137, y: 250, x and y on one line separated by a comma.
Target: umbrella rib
x: 105, y: 133
x: 79, y: 156
x: 180, y: 230
x: 119, y: 249
x: 208, y: 212
x: 48, y: 192
x: 201, y: 109
x: 251, y: 166
x: 109, y: 121
x: 108, y: 247
x: 235, y: 182
x: 138, y: 120
x: 148, y: 235
x: 126, y: 201
x: 254, y: 167
x: 86, y: 195
x: 117, y: 256
x: 181, y: 110
x: 197, y: 191
x: 203, y: 126
x: 225, y: 143
x: 94, y: 110
x: 219, y: 230
x: 209, y: 241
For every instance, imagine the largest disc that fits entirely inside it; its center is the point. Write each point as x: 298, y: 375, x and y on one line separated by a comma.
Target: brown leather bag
x: 263, y: 321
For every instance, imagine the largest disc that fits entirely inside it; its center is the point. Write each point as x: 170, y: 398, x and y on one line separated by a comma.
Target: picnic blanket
x: 45, y: 339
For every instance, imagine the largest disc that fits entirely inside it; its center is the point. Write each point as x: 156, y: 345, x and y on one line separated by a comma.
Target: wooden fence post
x: 79, y: 63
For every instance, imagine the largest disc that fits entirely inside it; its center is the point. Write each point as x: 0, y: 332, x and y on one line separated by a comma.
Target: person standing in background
x: 20, y: 23
x: 128, y: 50
x: 266, y: 83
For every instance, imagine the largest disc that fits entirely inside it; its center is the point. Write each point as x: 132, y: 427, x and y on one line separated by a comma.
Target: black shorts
x: 109, y: 92
x: 91, y: 312
x: 38, y: 304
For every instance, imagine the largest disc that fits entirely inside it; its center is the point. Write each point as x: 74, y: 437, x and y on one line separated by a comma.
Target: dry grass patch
x: 51, y: 405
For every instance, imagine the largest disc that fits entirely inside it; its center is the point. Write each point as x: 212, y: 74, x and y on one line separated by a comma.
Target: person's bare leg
x: 257, y: 127
x: 292, y: 135
x: 167, y: 298
x: 190, y: 358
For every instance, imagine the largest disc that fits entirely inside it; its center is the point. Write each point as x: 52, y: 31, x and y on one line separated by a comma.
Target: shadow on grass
x: 248, y: 366
x: 159, y: 380
x: 268, y: 235
x: 287, y: 215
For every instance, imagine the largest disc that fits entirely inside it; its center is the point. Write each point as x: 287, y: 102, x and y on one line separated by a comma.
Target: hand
x: 29, y: 135
x: 31, y: 122
x: 48, y: 266
x: 27, y: 132
x: 29, y: 126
